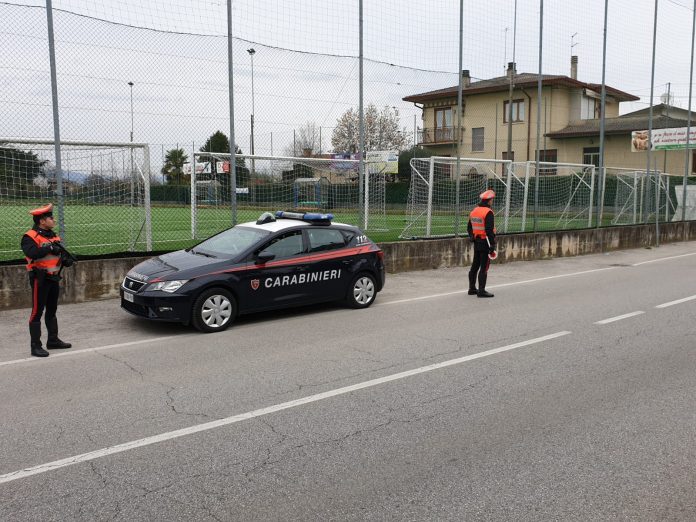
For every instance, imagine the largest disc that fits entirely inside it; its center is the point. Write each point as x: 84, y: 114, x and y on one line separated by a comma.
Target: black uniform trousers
x: 44, y: 297
x: 479, y: 265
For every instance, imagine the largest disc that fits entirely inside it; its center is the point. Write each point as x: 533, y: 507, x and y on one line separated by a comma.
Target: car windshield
x: 230, y: 243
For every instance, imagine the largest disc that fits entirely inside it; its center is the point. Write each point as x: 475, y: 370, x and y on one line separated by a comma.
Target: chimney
x: 574, y: 67
x: 511, y: 69
x: 466, y: 78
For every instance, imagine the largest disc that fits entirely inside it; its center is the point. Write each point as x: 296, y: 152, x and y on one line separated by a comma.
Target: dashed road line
x: 663, y: 259
x: 147, y: 441
x: 619, y: 317
x: 678, y: 301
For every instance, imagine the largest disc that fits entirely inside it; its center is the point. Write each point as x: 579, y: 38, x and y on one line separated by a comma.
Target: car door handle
x: 346, y: 261
x: 302, y: 267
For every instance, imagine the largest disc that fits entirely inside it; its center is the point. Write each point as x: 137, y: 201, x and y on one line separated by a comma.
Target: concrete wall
x: 100, y: 279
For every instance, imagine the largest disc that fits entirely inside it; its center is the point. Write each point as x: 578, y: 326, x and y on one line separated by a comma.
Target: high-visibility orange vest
x: 478, y: 221
x: 50, y: 262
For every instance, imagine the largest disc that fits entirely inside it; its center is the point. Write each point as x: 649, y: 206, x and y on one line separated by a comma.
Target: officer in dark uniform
x: 481, y: 228
x: 45, y: 257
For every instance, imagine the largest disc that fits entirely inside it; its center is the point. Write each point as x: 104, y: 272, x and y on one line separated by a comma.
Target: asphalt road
x: 569, y: 396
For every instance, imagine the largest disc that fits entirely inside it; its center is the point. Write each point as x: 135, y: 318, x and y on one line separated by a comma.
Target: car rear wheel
x: 214, y: 310
x: 362, y: 291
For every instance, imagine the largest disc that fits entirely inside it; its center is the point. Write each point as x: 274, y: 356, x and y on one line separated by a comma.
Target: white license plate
x: 127, y: 296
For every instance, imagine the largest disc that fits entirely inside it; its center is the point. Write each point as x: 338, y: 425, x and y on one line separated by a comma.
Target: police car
x: 279, y: 261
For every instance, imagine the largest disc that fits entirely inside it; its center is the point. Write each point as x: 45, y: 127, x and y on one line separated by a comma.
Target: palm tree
x: 173, y: 167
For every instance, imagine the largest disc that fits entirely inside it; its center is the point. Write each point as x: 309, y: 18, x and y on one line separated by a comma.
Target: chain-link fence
x: 331, y: 79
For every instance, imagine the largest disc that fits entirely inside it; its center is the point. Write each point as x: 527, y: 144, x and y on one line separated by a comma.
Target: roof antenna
x: 573, y: 44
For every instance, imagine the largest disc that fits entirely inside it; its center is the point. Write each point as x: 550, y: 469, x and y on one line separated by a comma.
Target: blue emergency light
x: 311, y: 217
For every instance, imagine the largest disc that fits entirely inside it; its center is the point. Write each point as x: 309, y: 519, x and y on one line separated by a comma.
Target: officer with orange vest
x: 481, y: 228
x: 45, y: 258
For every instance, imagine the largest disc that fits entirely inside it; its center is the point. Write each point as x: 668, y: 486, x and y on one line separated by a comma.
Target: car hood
x: 170, y: 266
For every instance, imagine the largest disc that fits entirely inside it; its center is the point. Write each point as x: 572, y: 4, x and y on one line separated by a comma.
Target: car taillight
x: 380, y: 255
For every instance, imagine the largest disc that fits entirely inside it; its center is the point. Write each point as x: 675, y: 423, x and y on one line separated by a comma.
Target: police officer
x: 481, y: 228
x: 45, y: 258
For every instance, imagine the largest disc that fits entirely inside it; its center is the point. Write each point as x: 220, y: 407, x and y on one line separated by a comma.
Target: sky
x: 305, y: 64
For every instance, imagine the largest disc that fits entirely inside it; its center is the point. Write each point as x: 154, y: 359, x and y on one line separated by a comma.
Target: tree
x: 173, y: 168
x: 306, y: 138
x: 382, y: 130
x: 220, y: 143
x: 19, y: 167
x: 405, y: 158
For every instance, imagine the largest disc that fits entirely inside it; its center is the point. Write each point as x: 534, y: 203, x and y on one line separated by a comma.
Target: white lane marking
x: 87, y: 350
x: 126, y: 446
x: 678, y: 301
x: 663, y: 259
x: 619, y: 317
x: 432, y: 296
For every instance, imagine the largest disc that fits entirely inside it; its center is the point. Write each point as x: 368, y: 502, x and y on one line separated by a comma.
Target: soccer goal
x: 105, y: 206
x: 432, y: 200
x: 268, y: 183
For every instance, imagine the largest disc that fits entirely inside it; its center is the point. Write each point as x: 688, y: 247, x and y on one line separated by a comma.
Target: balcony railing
x: 436, y: 135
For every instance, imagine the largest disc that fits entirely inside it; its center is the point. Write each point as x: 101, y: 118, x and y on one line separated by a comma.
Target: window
x: 550, y: 155
x: 590, y: 108
x: 325, y: 239
x: 287, y: 245
x: 590, y: 156
x: 510, y: 156
x: 443, y: 118
x: 517, y: 111
x: 477, y: 139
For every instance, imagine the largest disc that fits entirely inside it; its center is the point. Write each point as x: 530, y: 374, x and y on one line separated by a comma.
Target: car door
x: 275, y: 283
x: 327, y: 269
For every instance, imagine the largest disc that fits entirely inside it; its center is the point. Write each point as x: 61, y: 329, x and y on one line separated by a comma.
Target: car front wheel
x: 214, y: 310
x: 362, y: 291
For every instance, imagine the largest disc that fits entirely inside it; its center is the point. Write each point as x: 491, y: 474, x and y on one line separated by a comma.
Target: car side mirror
x: 263, y: 257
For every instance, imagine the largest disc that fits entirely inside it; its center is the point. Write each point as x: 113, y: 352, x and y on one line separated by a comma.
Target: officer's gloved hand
x: 67, y: 261
x: 55, y: 249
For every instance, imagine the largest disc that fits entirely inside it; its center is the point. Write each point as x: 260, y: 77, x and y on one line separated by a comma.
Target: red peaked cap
x: 46, y: 209
x: 488, y: 194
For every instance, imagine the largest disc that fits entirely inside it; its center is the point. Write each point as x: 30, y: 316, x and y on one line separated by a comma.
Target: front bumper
x: 158, y: 306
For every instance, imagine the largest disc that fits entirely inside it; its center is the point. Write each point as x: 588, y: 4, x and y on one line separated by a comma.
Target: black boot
x: 472, y: 283
x: 483, y: 293
x: 35, y: 333
x: 53, y: 342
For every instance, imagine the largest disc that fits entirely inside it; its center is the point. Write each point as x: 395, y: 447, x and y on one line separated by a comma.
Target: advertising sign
x: 663, y: 139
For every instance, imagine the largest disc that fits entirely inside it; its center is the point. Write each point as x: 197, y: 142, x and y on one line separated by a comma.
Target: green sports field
x: 99, y: 230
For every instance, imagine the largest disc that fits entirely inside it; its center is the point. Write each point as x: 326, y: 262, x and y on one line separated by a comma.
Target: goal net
x: 105, y: 204
x: 268, y: 183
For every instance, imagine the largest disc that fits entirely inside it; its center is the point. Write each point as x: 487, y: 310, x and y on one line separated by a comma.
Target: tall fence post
x: 526, y: 195
x: 148, y: 206
x: 506, y: 214
x: 193, y: 191
x: 56, y: 120
x: 429, y: 211
x: 688, y: 123
x: 592, y: 188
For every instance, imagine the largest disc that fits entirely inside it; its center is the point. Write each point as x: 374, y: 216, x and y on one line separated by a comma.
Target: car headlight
x: 168, y: 286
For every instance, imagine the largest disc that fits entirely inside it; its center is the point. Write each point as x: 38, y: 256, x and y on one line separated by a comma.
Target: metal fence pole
x: 148, y: 206
x: 458, y: 172
x: 688, y: 123
x: 361, y: 118
x: 429, y: 210
x: 56, y: 120
x: 233, y: 146
x: 523, y: 228
x: 539, y: 97
x: 602, y: 121
x: 192, y: 196
x: 650, y: 128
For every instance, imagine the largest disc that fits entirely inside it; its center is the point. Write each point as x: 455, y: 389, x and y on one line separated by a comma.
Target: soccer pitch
x: 93, y: 230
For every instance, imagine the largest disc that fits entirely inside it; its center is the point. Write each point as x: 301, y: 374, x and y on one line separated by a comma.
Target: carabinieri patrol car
x: 279, y: 261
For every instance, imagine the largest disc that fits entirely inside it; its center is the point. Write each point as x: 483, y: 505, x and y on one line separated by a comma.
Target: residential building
x: 570, y: 120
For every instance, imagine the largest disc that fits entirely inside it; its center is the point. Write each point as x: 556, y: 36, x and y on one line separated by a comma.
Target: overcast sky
x: 305, y: 66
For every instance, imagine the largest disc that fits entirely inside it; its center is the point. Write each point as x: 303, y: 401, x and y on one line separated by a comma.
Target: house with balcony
x: 570, y: 120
